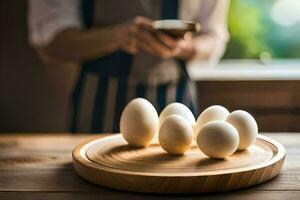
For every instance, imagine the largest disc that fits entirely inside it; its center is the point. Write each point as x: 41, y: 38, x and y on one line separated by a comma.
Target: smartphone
x: 176, y: 28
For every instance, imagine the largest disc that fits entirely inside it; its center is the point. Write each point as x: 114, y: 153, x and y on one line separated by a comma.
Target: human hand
x: 139, y: 35
x: 126, y: 33
x: 185, y: 48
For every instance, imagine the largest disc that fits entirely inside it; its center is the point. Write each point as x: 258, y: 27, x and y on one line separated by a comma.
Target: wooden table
x: 39, y: 166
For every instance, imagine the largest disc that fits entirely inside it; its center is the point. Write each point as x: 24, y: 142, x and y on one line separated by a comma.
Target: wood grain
x: 275, y: 104
x: 111, y: 162
x: 50, y: 178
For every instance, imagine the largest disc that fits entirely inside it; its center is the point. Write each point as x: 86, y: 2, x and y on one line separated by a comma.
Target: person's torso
x: 146, y: 68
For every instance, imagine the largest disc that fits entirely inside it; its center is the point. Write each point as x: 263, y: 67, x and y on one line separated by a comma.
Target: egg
x: 218, y: 139
x: 178, y: 109
x: 139, y: 122
x: 212, y: 113
x: 175, y: 135
x: 246, y: 127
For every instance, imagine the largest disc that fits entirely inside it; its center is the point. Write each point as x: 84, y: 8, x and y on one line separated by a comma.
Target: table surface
x: 39, y: 166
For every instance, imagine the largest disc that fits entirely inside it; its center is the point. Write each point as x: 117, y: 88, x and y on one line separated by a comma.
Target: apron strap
x: 87, y: 8
x: 116, y: 65
x: 169, y: 10
x: 110, y: 64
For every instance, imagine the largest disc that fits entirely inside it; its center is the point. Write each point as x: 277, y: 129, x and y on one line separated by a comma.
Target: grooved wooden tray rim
x: 80, y: 155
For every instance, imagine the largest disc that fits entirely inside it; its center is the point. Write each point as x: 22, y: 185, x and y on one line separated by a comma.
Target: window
x: 264, y: 29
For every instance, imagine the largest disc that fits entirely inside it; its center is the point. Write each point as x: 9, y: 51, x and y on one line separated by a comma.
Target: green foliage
x: 247, y: 31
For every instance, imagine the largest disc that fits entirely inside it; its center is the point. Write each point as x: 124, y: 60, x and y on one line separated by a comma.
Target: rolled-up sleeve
x: 46, y: 18
x: 213, y: 19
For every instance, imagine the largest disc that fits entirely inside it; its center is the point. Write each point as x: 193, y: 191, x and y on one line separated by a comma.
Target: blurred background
x: 264, y: 28
x: 259, y: 71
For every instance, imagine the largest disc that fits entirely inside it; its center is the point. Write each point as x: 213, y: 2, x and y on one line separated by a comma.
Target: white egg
x: 218, y: 139
x: 139, y: 122
x: 178, y: 109
x: 246, y: 127
x: 212, y: 113
x: 175, y: 135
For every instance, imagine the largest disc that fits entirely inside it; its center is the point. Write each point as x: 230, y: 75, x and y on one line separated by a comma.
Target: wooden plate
x: 110, y: 162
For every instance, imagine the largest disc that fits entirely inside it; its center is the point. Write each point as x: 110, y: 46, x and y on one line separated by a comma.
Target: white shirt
x: 46, y: 18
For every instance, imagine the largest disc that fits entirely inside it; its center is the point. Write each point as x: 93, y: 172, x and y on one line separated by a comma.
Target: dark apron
x: 109, y: 66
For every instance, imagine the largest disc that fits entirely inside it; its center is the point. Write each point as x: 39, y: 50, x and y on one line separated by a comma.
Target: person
x: 121, y: 55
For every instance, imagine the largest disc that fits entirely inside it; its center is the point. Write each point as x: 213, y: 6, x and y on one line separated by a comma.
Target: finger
x: 132, y: 46
x: 182, y: 54
x: 178, y: 53
x: 184, y: 51
x: 144, y: 22
x: 188, y: 36
x: 146, y: 48
x: 156, y: 46
x: 167, y: 40
x: 133, y: 29
x: 132, y: 50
